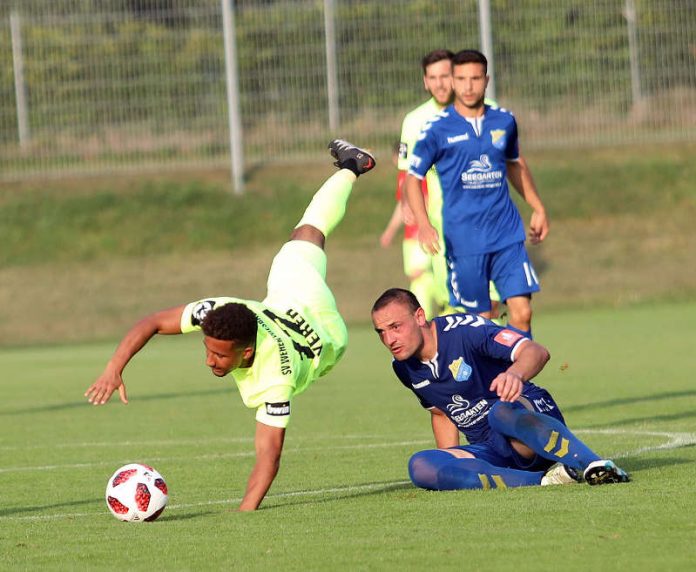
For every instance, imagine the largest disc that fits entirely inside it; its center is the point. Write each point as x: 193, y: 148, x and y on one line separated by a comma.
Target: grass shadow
x: 168, y: 517
x: 151, y: 397
x: 627, y: 401
x: 634, y: 465
x: 314, y: 498
x: 38, y: 508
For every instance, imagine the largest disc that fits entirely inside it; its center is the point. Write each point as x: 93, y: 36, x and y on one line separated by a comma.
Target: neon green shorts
x: 297, y: 280
x: 415, y: 260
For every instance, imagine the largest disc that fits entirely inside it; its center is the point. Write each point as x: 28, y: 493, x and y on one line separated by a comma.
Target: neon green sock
x: 328, y: 205
x: 423, y: 287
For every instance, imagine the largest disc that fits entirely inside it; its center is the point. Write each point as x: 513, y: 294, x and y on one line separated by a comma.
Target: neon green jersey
x: 286, y: 358
x: 410, y: 128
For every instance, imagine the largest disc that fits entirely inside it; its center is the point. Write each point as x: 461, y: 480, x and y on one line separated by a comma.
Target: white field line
x: 675, y: 440
x: 209, y: 456
x: 168, y: 442
x: 235, y: 501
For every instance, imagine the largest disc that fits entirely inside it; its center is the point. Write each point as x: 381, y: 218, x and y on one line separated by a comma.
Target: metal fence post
x: 233, y: 100
x: 486, y: 35
x: 331, y: 66
x: 631, y: 19
x: 20, y: 86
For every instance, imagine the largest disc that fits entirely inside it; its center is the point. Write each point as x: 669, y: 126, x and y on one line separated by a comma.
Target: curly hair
x: 399, y: 295
x: 233, y: 322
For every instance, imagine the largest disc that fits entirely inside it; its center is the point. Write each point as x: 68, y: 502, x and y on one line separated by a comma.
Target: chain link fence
x: 108, y: 85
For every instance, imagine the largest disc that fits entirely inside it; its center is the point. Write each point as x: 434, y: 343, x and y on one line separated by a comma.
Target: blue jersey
x: 478, y: 213
x: 471, y: 352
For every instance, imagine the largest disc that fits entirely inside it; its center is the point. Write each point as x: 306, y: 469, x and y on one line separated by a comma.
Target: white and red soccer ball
x: 136, y: 493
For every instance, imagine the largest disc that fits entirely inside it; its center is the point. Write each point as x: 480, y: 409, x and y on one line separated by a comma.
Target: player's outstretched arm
x: 427, y: 235
x: 530, y: 359
x: 521, y: 178
x: 163, y: 322
x: 269, y: 446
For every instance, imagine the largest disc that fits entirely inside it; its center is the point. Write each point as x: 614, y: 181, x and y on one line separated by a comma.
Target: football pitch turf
x: 342, y: 500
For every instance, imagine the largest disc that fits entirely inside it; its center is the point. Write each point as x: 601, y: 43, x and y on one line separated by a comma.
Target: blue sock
x: 438, y: 470
x: 546, y: 436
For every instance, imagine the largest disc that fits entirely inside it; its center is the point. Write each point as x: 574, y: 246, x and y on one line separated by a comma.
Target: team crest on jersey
x: 498, y: 138
x: 507, y: 337
x: 461, y: 371
x: 200, y: 311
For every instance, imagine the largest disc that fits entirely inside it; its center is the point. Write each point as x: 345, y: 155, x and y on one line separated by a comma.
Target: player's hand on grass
x: 508, y: 385
x: 100, y: 391
x: 538, y: 227
x: 429, y: 239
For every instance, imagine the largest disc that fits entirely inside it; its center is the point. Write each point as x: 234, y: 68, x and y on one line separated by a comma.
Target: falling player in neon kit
x: 474, y: 378
x: 273, y: 349
x: 475, y: 150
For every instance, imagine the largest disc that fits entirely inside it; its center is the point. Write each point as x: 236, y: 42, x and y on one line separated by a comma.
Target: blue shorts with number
x: 510, y: 269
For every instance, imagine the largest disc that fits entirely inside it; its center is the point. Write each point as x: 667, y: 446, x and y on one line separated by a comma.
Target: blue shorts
x: 510, y: 270
x: 498, y: 451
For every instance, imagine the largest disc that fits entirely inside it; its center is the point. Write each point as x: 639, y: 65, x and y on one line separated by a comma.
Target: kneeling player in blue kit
x: 474, y: 376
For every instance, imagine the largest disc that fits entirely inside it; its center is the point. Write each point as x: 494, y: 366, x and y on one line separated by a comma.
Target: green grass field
x: 342, y: 500
x: 83, y: 259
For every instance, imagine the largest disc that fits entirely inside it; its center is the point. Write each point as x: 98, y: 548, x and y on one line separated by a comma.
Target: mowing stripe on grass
x: 207, y: 457
x: 332, y: 490
x: 675, y: 440
x: 166, y: 442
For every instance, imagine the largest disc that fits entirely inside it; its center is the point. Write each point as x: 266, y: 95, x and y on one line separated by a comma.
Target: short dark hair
x: 400, y: 295
x: 232, y: 322
x: 470, y: 57
x: 434, y: 57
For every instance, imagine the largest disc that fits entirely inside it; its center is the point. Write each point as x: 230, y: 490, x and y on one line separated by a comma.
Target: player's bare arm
x: 521, y: 178
x: 269, y: 446
x: 163, y: 322
x: 427, y: 235
x: 392, y: 227
x: 530, y: 359
x: 445, y: 432
x: 406, y: 212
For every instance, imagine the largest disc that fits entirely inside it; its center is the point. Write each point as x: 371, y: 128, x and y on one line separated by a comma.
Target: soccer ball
x: 136, y: 493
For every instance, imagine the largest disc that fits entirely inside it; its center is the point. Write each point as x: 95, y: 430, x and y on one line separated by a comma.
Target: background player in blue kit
x: 474, y: 377
x: 437, y: 81
x: 474, y: 148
